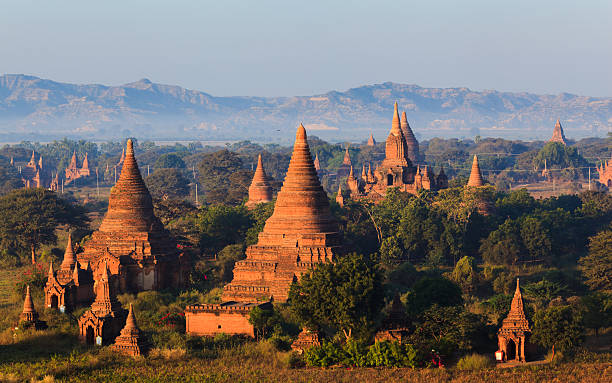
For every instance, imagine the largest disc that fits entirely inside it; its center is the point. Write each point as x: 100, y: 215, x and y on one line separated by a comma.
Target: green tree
x: 597, y: 265
x: 465, y: 274
x: 429, y: 291
x: 167, y: 183
x: 222, y: 225
x: 597, y: 311
x: 504, y: 245
x: 29, y: 218
x: 259, y: 215
x: 265, y: 321
x: 346, y: 295
x: 169, y: 161
x: 560, y: 328
x: 9, y: 178
x: 224, y: 178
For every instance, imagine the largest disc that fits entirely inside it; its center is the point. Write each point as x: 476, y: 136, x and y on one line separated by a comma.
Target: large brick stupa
x: 300, y: 234
x: 131, y: 240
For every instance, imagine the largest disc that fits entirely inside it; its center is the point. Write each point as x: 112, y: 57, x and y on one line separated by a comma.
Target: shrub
x: 392, y: 354
x: 474, y: 362
x: 327, y: 354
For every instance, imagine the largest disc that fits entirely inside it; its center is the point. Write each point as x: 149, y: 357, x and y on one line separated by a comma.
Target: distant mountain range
x: 38, y: 109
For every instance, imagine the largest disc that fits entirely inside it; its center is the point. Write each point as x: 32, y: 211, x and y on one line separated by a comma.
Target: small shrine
x: 515, y: 331
x: 29, y: 316
x: 130, y: 341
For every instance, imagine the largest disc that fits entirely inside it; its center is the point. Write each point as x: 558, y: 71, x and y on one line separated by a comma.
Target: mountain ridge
x: 32, y: 106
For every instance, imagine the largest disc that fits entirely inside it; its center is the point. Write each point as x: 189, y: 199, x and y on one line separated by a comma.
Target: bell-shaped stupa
x: 300, y: 234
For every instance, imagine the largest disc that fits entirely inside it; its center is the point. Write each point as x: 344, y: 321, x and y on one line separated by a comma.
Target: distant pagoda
x: 475, y: 179
x: 558, y: 135
x: 260, y: 190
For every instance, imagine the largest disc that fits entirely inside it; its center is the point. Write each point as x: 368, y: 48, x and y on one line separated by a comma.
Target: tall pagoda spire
x: 260, y: 190
x: 412, y: 145
x: 106, y: 301
x: 516, y: 317
x: 475, y: 175
x: 130, y: 207
x: 317, y: 164
x: 371, y: 140
x: 396, y: 127
x: 395, y: 146
x: 32, y: 162
x: 558, y: 135
x: 301, y: 206
x: 73, y: 161
x: 85, y: 162
x: 69, y: 258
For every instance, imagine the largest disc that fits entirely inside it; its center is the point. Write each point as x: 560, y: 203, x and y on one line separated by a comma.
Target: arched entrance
x: 89, y: 335
x: 510, y: 350
x: 389, y: 179
x: 54, y: 301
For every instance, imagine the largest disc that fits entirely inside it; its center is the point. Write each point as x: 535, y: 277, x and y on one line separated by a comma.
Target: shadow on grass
x: 40, y: 346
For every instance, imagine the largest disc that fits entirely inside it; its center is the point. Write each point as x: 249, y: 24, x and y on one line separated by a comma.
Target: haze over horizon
x: 275, y: 48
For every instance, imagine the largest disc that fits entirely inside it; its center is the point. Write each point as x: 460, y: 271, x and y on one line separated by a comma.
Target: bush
x: 325, y: 355
x: 474, y: 362
x: 392, y: 354
x: 356, y: 354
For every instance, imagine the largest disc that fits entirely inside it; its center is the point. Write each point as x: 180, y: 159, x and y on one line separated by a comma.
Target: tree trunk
x: 553, y: 353
x: 33, y: 255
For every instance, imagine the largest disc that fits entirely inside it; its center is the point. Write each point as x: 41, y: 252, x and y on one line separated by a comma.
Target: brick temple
x: 300, y: 234
x: 514, y: 333
x: 132, y: 241
x: 558, y: 135
x: 399, y: 169
x: 605, y: 173
x: 73, y: 172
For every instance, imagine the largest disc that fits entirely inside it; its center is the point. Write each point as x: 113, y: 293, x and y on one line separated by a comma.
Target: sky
x: 287, y: 48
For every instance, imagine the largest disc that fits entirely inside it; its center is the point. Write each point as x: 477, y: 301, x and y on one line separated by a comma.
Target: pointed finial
x: 301, y: 133
x: 51, y: 270
x: 395, y: 124
x: 259, y: 164
x: 129, y: 147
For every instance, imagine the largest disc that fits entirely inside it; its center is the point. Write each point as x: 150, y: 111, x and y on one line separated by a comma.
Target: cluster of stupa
x: 399, y: 169
x: 130, y: 252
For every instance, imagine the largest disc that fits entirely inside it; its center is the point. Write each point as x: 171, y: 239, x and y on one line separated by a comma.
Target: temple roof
x: 106, y: 300
x: 412, y: 145
x: 69, y: 258
x: 475, y: 175
x: 516, y: 318
x: 395, y: 146
x: 130, y: 207
x: 302, y: 206
x: 130, y: 329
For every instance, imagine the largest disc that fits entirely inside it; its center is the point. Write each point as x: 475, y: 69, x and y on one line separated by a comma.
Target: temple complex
x: 300, y: 234
x: 73, y: 172
x: 104, y: 321
x: 475, y: 179
x: 29, y: 314
x: 558, y: 135
x: 71, y: 286
x: 132, y: 241
x: 605, y: 173
x: 513, y: 334
x: 399, y: 168
x: 260, y: 190
x: 34, y: 174
x: 130, y: 341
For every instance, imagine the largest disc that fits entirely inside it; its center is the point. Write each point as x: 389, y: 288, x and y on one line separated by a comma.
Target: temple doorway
x: 510, y: 350
x: 54, y: 302
x: 389, y: 179
x: 89, y: 335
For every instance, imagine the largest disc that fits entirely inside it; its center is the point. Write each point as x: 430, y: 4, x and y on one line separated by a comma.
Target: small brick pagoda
x: 29, y: 315
x: 515, y: 331
x: 131, y: 240
x: 104, y: 321
x: 394, y: 327
x: 130, y: 341
x: 399, y: 169
x: 260, y: 190
x: 475, y: 179
x: 558, y: 135
x: 70, y: 286
x: 300, y: 234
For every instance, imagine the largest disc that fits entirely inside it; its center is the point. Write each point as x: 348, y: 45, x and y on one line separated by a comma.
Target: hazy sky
x: 276, y: 48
